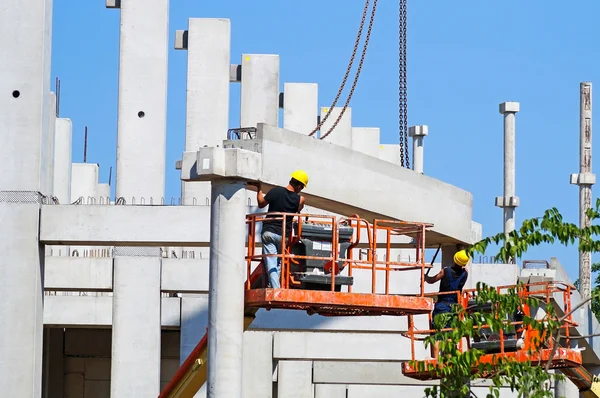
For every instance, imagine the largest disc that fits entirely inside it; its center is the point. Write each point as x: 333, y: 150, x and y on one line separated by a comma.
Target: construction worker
x: 452, y: 279
x: 280, y: 200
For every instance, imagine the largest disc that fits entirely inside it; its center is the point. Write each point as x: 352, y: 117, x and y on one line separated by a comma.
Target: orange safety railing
x: 543, y: 291
x: 365, y: 236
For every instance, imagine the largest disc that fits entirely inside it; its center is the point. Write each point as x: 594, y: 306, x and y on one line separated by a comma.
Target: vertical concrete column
x: 103, y: 194
x: 418, y: 133
x: 84, y: 182
x: 300, y: 107
x: 366, y: 140
x: 135, y: 362
x: 260, y: 90
x: 50, y: 139
x: 62, y: 160
x: 24, y: 107
x: 226, y: 294
x: 142, y: 104
x: 194, y: 321
x: 509, y: 201
x: 208, y: 45
x: 390, y: 153
x: 342, y: 134
x: 585, y: 179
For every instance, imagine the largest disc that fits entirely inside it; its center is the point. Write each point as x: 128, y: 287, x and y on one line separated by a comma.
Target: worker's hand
x: 255, y: 184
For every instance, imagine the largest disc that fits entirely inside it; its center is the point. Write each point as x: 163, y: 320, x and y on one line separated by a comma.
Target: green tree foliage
x: 531, y: 380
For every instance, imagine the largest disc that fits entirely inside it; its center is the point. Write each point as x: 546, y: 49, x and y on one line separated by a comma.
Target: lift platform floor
x: 332, y: 303
x: 563, y: 358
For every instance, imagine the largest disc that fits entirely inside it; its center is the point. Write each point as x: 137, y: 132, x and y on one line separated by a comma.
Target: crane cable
x: 337, y: 97
x: 402, y: 86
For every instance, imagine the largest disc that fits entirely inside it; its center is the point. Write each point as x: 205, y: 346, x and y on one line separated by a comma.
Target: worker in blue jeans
x: 280, y: 200
x: 452, y: 278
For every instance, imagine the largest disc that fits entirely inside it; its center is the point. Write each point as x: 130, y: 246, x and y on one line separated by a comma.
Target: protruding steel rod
x: 585, y: 179
x: 85, y: 146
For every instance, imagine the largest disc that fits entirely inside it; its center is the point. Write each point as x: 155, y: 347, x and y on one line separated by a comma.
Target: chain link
x: 402, y: 86
x: 337, y: 97
x: 360, y: 64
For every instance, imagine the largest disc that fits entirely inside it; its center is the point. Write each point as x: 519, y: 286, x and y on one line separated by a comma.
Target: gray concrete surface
x: 260, y: 90
x: 342, y: 133
x: 300, y: 107
x: 62, y: 160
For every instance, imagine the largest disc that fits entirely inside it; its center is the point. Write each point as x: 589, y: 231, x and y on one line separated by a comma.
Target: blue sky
x: 464, y: 58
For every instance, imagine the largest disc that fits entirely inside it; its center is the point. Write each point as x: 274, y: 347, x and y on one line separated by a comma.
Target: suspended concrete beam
x: 376, y: 189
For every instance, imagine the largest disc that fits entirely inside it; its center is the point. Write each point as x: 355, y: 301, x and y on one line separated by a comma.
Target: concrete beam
x: 385, y: 373
x: 97, y: 311
x: 184, y: 275
x: 102, y: 225
x: 417, y: 197
x: 78, y: 273
x: 294, y: 379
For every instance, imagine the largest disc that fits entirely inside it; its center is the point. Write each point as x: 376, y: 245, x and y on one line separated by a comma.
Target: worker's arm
x: 260, y: 198
x: 301, y: 204
x: 434, y: 279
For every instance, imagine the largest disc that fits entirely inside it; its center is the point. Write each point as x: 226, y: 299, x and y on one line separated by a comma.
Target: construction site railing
x: 544, y: 292
x: 336, y: 261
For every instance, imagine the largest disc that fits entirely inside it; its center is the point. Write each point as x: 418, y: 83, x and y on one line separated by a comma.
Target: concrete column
x: 226, y: 299
x: 84, y: 182
x: 208, y: 45
x: 585, y: 179
x: 194, y: 321
x: 342, y: 134
x: 418, y: 133
x: 294, y: 379
x: 509, y: 201
x: 390, y: 153
x: 49, y: 165
x: 258, y: 364
x: 300, y: 107
x: 260, y: 90
x: 62, y: 160
x: 136, y: 345
x: 142, y: 103
x: 103, y: 194
x: 366, y: 140
x: 24, y: 107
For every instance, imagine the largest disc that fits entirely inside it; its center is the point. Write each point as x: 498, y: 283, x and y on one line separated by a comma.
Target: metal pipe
x: 418, y: 133
x: 509, y: 201
x: 585, y: 179
x: 226, y: 295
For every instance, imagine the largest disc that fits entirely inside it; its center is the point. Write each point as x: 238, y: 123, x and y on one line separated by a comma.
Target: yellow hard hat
x: 461, y: 258
x: 300, y: 175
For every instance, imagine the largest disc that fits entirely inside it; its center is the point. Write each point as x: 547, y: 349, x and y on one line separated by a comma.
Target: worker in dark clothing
x: 452, y: 278
x: 280, y: 200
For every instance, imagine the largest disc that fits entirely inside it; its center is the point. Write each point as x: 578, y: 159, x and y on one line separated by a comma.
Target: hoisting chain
x: 360, y: 64
x: 337, y: 97
x: 402, y: 86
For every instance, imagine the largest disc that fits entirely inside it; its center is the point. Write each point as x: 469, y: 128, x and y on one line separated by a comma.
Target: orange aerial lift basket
x: 517, y: 343
x: 322, y: 256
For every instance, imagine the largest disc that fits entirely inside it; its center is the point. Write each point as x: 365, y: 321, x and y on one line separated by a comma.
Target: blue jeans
x: 272, y: 245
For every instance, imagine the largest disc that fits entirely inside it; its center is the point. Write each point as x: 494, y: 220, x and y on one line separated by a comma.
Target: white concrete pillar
x: 585, y: 179
x: 208, y: 45
x: 84, y: 182
x: 366, y: 140
x: 62, y: 160
x: 509, y: 202
x: 136, y: 344
x: 194, y: 321
x: 342, y: 134
x: 50, y: 139
x: 24, y: 107
x: 226, y: 299
x: 103, y: 194
x: 300, y: 107
x: 260, y: 90
x: 142, y: 103
x: 294, y: 379
x: 418, y: 133
x: 390, y: 153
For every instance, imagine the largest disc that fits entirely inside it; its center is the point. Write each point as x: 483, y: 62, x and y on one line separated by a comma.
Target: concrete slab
x: 135, y: 366
x: 78, y: 273
x: 300, y: 107
x: 366, y: 140
x: 294, y: 379
x: 417, y: 197
x: 260, y: 90
x: 342, y: 134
